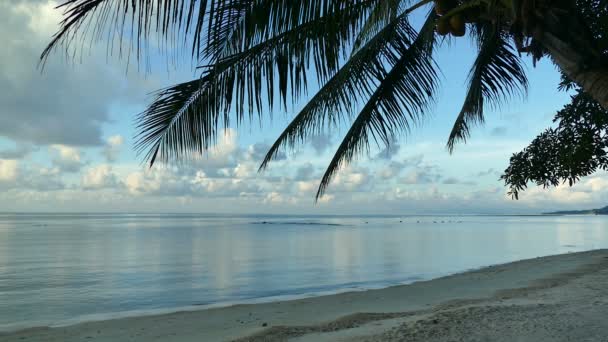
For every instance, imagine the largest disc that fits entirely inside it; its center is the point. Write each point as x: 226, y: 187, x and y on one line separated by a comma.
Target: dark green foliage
x: 595, y: 13
x: 574, y: 149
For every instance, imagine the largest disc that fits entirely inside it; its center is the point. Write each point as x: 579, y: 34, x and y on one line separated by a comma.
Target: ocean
x: 60, y: 269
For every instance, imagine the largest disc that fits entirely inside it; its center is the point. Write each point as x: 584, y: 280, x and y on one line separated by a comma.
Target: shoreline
x: 143, y: 313
x: 101, y: 317
x: 352, y: 315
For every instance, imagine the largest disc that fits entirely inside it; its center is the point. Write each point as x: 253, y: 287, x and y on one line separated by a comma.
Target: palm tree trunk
x: 572, y: 47
x: 593, y: 79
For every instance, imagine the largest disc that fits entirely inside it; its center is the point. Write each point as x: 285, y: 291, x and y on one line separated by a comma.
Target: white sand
x: 556, y: 298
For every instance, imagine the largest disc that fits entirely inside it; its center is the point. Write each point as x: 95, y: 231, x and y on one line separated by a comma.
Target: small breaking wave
x: 298, y: 223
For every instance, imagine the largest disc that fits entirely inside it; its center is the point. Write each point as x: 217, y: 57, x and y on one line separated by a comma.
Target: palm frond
x: 135, y: 20
x: 496, y: 75
x: 400, y: 99
x: 356, y: 79
x: 384, y: 12
x: 209, y: 25
x: 169, y: 127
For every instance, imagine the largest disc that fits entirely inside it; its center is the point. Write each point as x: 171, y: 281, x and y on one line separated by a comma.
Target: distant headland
x: 601, y: 211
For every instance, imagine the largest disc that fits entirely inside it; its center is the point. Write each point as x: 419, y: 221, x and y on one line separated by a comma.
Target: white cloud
x: 326, y: 198
x: 171, y: 182
x: 278, y: 198
x: 99, y: 177
x: 66, y: 158
x: 257, y: 152
x: 219, y: 161
x: 418, y: 177
x: 112, y: 148
x: 305, y: 172
x: 41, y: 179
x: 225, y: 171
x: 307, y: 187
x: 422, y: 175
x: 351, y: 179
x: 226, y: 147
x: 65, y: 104
x: 590, y: 192
x: 392, y: 170
x: 413, y: 161
x: 320, y: 143
x: 148, y: 182
x: 8, y: 170
x: 43, y: 17
x: 244, y: 170
x: 19, y: 176
x: 390, y: 151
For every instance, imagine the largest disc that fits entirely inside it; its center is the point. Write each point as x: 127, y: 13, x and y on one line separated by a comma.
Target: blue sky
x: 66, y: 144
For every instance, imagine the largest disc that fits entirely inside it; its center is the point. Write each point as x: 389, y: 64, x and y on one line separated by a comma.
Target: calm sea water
x: 61, y: 269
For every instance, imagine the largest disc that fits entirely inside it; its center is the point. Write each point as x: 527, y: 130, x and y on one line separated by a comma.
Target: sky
x: 66, y: 144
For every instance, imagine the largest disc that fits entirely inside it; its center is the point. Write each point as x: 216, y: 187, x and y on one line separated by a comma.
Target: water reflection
x: 58, y: 267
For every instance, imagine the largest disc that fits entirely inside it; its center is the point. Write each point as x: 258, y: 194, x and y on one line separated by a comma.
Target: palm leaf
x: 400, y: 99
x: 384, y: 13
x: 358, y: 78
x: 206, y: 24
x: 496, y: 75
x: 136, y: 20
x: 184, y: 118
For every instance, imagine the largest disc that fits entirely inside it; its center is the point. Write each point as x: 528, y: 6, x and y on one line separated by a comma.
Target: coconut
x: 457, y: 25
x: 443, y: 27
x: 442, y: 6
x: 472, y: 15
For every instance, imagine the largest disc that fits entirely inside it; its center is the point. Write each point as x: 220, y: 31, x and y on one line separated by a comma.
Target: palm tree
x: 375, y: 69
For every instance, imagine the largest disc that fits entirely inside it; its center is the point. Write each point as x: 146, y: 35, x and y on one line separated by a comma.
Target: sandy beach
x: 555, y: 298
